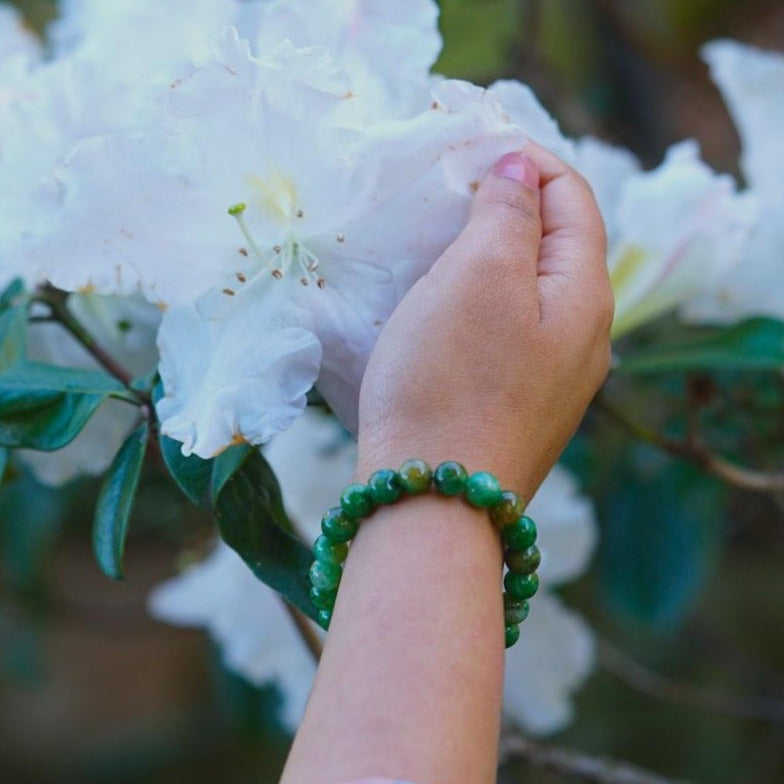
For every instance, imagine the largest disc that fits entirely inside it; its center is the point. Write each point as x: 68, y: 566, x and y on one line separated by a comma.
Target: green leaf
x: 756, y: 344
x: 249, y: 511
x: 115, y: 500
x: 663, y: 525
x: 192, y: 474
x: 13, y: 337
x: 45, y: 407
x: 225, y: 465
x: 11, y: 293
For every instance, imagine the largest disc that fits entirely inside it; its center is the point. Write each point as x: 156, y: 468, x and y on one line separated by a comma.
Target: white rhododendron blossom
x: 314, y: 460
x: 125, y: 328
x: 752, y: 83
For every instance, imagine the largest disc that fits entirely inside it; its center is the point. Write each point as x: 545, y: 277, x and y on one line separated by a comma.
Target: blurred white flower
x: 671, y: 231
x: 752, y: 84
x: 314, y: 460
x: 125, y: 328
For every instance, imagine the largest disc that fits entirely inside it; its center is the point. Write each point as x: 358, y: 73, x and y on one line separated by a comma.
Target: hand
x: 494, y: 355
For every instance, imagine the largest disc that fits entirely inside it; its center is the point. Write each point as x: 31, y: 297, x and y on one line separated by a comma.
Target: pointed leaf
x: 113, y: 508
x: 249, y: 511
x: 13, y: 337
x: 756, y: 344
x: 225, y: 465
x: 192, y: 474
x: 9, y: 296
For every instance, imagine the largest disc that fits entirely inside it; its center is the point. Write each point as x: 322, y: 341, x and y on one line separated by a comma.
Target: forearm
x: 411, y: 677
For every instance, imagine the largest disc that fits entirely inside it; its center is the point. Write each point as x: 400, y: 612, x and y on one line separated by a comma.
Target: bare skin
x: 491, y: 359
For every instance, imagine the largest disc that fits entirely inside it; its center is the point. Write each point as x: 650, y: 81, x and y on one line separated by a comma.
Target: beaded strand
x: 482, y: 490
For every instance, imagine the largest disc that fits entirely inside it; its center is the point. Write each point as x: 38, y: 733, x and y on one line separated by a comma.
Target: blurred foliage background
x: 686, y: 589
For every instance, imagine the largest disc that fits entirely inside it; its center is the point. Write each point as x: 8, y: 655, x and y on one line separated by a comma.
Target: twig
x: 641, y: 679
x: 732, y: 473
x: 598, y: 770
x: 306, y: 631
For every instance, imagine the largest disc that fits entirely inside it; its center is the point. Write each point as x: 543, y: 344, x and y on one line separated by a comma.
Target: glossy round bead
x: 515, y: 611
x: 511, y: 634
x: 482, y: 489
x: 328, y: 551
x: 523, y: 561
x: 450, y: 478
x: 520, y: 535
x: 384, y: 486
x: 324, y: 617
x: 323, y: 599
x: 337, y: 527
x: 508, y: 510
x: 415, y: 476
x: 356, y: 501
x: 521, y: 586
x: 325, y: 576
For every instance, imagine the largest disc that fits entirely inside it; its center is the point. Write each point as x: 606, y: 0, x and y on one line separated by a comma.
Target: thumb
x: 504, y: 229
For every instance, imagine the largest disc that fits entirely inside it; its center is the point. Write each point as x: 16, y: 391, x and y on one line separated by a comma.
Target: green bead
x: 523, y: 561
x: 384, y: 486
x: 521, y: 586
x: 508, y: 510
x: 324, y: 617
x: 325, y: 576
x: 323, y: 599
x: 324, y: 549
x: 515, y: 611
x: 337, y: 527
x: 520, y: 535
x: 511, y: 634
x: 356, y: 501
x: 415, y: 476
x: 482, y: 489
x: 450, y: 478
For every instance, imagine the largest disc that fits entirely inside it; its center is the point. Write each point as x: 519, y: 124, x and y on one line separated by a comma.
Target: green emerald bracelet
x: 385, y: 486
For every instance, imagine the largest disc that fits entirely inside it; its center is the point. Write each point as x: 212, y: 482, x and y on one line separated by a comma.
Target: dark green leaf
x: 192, y: 474
x: 252, y: 521
x: 115, y: 500
x: 225, y: 465
x: 756, y: 344
x: 13, y: 337
x: 662, y: 527
x: 45, y: 407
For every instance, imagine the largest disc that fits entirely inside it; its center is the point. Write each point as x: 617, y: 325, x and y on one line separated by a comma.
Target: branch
x: 597, y: 770
x: 645, y: 681
x: 696, y: 452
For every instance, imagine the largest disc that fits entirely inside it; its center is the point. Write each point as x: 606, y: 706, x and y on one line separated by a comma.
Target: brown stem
x: 645, y: 681
x: 696, y: 452
x: 598, y: 770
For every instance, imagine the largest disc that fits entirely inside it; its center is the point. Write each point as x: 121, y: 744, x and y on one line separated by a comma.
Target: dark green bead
x: 515, y: 611
x: 324, y: 617
x: 523, y: 561
x: 450, y: 478
x: 520, y: 535
x: 415, y: 476
x: 511, y: 634
x: 331, y: 552
x: 323, y: 599
x: 384, y: 486
x: 482, y: 489
x: 508, y: 510
x: 337, y: 527
x: 356, y: 501
x: 521, y: 586
x: 325, y: 576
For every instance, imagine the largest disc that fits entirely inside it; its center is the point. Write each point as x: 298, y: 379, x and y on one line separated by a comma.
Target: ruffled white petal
x: 241, y: 379
x: 567, y: 527
x: 246, y: 619
x: 555, y: 653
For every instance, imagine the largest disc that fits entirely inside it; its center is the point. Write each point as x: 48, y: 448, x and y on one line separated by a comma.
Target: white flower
x: 329, y: 224
x: 752, y: 83
x: 556, y: 649
x: 125, y: 329
x: 672, y: 231
x: 314, y: 460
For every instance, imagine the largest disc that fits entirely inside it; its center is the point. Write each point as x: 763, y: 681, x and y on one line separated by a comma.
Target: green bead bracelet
x: 482, y: 490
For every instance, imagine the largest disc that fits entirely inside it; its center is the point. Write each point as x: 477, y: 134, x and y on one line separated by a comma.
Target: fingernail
x: 519, y: 167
